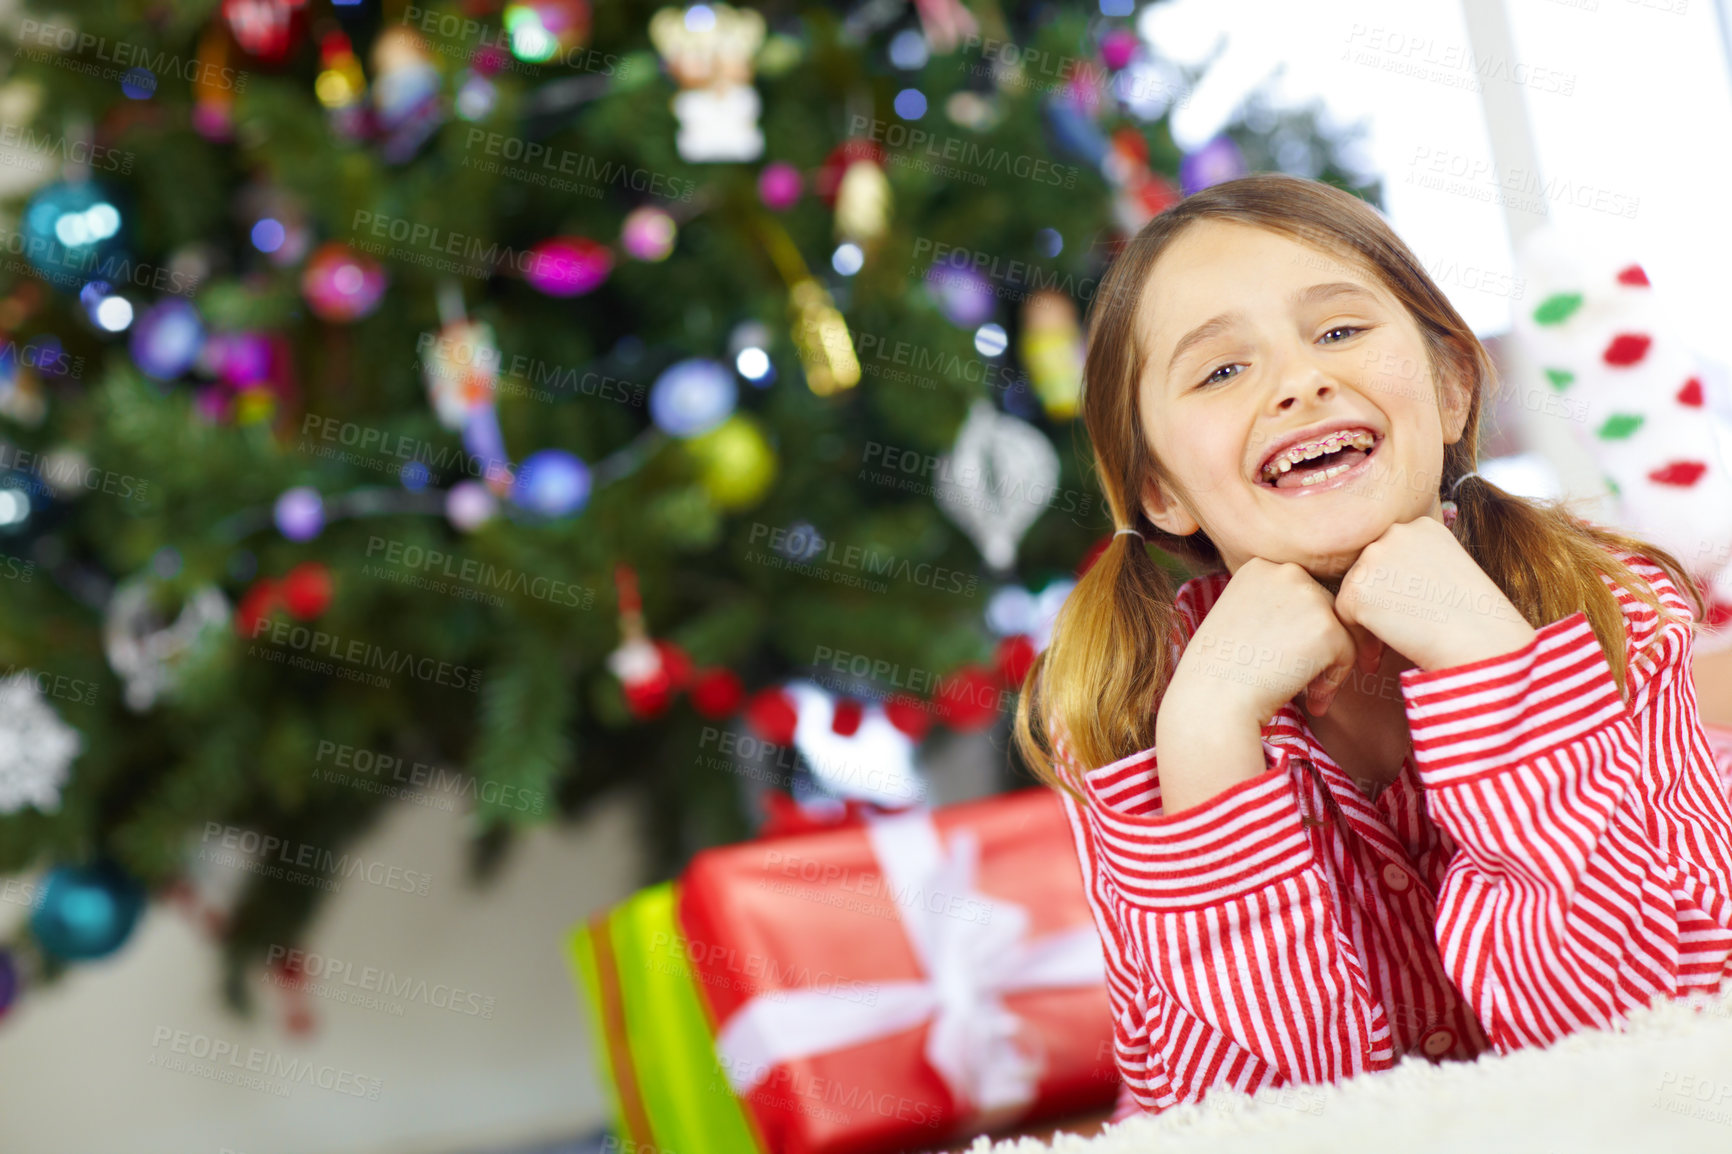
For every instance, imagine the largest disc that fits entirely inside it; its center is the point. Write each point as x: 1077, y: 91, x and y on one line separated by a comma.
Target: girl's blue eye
x: 1344, y: 329
x: 1210, y: 379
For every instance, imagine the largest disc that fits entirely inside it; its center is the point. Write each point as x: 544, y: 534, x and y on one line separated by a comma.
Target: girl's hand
x: 1418, y: 591
x: 1272, y: 632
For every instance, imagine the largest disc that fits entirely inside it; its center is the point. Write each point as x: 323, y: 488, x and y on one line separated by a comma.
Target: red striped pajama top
x: 1547, y: 859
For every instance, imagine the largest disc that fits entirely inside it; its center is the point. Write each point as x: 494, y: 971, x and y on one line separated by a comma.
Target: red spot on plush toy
x: 1680, y: 473
x: 1627, y: 349
x: 1691, y: 393
x: 1634, y: 276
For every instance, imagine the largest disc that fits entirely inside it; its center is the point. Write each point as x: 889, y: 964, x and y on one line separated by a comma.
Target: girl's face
x: 1258, y: 345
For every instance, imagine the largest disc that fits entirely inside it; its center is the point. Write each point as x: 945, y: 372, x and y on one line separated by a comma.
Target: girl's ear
x: 1166, y: 511
x: 1454, y: 399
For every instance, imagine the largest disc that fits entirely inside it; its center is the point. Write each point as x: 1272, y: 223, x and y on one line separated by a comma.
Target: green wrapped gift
x: 652, y: 1038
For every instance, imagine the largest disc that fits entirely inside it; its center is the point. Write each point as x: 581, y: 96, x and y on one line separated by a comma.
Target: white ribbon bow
x: 969, y: 964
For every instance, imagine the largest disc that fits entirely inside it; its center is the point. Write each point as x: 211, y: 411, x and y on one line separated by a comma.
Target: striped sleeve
x: 1233, y: 970
x: 1594, y: 864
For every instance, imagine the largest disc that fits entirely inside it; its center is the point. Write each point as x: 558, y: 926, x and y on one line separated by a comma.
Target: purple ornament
x: 568, y: 266
x: 961, y: 292
x: 9, y: 981
x: 300, y: 513
x: 552, y: 483
x: 238, y: 359
x: 166, y: 339
x: 779, y: 186
x: 485, y: 442
x: 1217, y: 161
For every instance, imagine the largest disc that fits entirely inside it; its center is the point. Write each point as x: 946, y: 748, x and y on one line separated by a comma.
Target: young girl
x: 1429, y: 772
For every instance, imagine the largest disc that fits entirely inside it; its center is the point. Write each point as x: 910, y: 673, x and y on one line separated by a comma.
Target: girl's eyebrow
x: 1315, y: 294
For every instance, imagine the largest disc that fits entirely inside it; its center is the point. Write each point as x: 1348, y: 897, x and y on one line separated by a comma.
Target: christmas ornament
x: 772, y: 717
x: 863, y: 757
x: 568, y: 266
x: 260, y: 601
x: 551, y: 483
x: 779, y: 186
x: 961, y: 293
x: 1051, y: 346
x: 1139, y: 193
x: 341, y: 84
x: 237, y: 359
x: 735, y: 462
x: 167, y: 338
x: 486, y: 444
x: 461, y: 368
x: 717, y: 693
x: 863, y: 203
x: 692, y: 396
x: 469, y: 505
x: 708, y: 50
x: 968, y: 699
x: 307, y: 589
x: 820, y: 334
x: 650, y: 672
x: 840, y: 159
x: 11, y: 980
x: 36, y: 747
x: 406, y: 105
x: 86, y: 912
x: 341, y: 284
x: 1118, y: 48
x: 148, y: 654
x: 541, y: 30
x: 213, y: 86
x: 1014, y: 611
x: 267, y: 30
x: 648, y: 233
x: 945, y: 24
x: 300, y: 513
x: 71, y: 230
x: 1217, y: 161
x: 996, y: 481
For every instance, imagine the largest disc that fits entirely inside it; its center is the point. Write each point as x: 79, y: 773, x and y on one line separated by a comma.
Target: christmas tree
x: 512, y: 399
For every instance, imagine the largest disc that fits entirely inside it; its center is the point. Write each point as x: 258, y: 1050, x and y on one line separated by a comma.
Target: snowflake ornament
x: 36, y: 747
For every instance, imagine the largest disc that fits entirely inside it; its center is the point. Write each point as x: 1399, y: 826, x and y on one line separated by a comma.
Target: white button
x: 1395, y: 877
x: 1437, y: 1042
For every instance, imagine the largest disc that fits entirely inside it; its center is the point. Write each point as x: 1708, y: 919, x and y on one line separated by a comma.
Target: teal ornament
x: 72, y: 232
x: 86, y: 912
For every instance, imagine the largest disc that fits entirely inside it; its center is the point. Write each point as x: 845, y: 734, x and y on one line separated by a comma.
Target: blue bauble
x: 86, y: 912
x: 166, y: 340
x: 552, y: 483
x: 693, y: 397
x: 71, y: 230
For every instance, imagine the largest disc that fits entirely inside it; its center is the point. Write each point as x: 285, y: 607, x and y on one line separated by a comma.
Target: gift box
x: 653, y: 1043
x: 904, y: 983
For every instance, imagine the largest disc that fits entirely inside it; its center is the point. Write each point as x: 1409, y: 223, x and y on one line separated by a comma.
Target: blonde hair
x: 1103, y: 674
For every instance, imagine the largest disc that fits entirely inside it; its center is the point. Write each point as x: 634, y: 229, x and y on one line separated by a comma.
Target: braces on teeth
x: 1284, y: 462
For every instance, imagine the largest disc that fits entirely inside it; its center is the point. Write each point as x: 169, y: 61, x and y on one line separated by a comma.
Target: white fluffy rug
x: 1660, y: 1081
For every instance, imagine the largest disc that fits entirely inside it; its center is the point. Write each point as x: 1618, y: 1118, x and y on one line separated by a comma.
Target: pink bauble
x: 1118, y: 47
x: 779, y: 186
x: 340, y: 284
x: 568, y: 266
x: 469, y: 505
x: 648, y: 233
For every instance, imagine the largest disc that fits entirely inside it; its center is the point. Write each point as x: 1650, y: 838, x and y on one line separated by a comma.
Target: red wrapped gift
x: 923, y: 977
